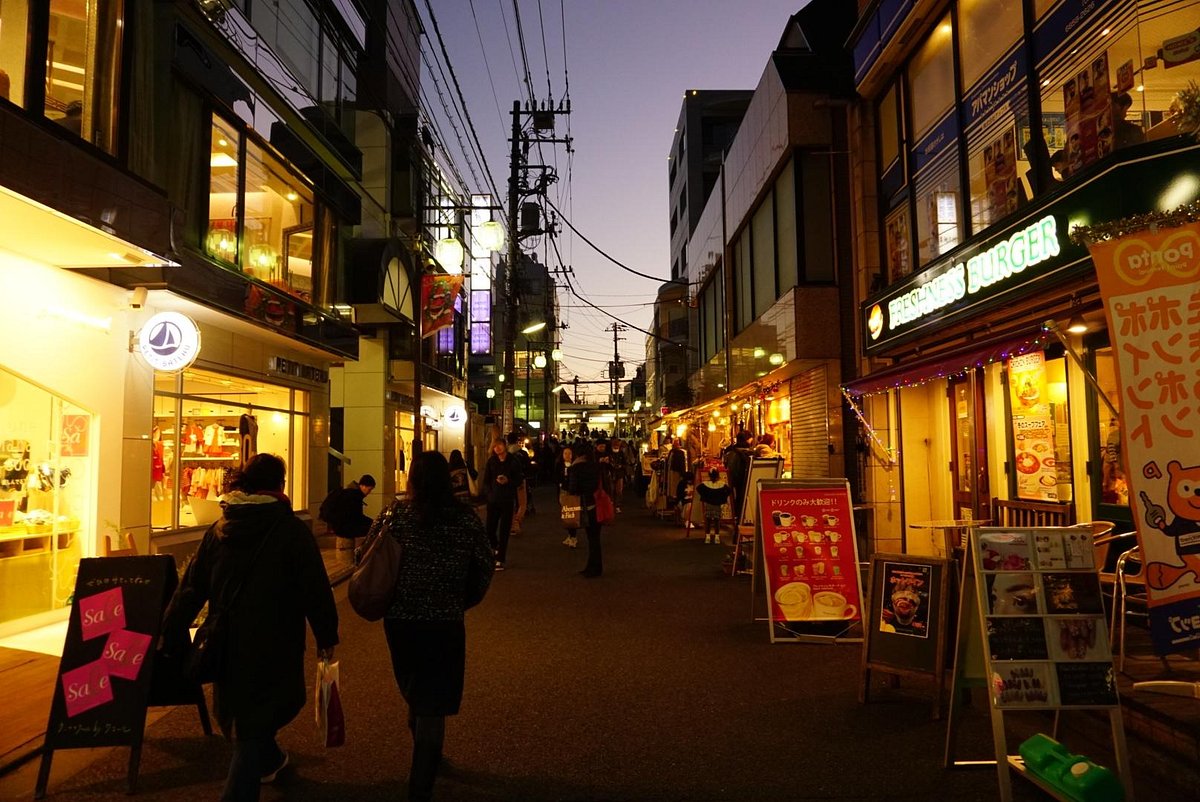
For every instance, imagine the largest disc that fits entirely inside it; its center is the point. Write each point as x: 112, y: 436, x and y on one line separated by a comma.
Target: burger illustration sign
x: 169, y: 342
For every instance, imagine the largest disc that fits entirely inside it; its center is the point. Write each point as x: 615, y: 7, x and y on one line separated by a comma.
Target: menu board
x: 1046, y: 642
x: 809, y: 552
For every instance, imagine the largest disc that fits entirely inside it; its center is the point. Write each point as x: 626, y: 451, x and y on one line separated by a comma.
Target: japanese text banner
x: 1150, y: 283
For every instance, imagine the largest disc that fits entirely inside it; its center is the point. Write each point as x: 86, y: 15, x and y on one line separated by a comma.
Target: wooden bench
x: 1017, y: 512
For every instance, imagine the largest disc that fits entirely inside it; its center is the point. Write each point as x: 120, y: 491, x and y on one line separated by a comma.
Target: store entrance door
x: 968, y: 456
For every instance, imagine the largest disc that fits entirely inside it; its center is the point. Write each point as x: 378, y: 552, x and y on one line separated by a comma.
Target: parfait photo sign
x: 1149, y: 276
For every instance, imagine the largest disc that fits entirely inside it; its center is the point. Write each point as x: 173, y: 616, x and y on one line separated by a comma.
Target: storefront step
x: 26, y: 690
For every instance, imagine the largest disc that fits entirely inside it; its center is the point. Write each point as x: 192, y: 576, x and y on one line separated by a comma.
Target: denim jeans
x: 252, y: 758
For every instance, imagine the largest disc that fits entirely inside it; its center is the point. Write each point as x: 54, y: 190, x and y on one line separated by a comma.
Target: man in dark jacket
x: 737, y: 463
x: 343, y: 510
x: 502, y: 478
x: 261, y: 564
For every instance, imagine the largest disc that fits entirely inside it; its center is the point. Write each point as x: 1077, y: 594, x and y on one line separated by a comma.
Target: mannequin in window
x: 248, y: 435
x: 158, y: 465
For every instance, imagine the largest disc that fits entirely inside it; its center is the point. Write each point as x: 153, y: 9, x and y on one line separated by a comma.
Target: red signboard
x: 809, y: 553
x: 75, y: 435
x: 438, y: 294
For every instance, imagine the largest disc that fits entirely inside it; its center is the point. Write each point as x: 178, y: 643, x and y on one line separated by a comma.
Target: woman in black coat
x: 260, y: 545
x: 583, y: 477
x: 445, y: 569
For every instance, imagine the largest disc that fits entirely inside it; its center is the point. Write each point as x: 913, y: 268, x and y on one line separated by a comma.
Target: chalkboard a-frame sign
x: 105, y: 675
x: 904, y: 628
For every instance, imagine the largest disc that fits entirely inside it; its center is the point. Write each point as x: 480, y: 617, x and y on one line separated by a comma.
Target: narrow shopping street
x: 650, y: 683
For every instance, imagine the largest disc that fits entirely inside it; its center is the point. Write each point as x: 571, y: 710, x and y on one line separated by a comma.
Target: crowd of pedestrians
x: 259, y: 571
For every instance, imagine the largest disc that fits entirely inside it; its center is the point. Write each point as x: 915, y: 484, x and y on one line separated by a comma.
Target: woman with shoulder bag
x: 446, y: 567
x: 583, y: 480
x: 261, y: 573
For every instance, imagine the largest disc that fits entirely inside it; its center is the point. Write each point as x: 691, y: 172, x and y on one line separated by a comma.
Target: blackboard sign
x: 104, y: 677
x: 904, y: 626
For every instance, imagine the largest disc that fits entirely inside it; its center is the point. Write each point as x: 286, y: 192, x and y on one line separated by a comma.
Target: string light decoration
x: 890, y: 456
x: 1115, y: 229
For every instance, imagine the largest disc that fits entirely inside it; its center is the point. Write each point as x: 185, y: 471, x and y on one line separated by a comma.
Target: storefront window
x: 1114, y: 489
x: 47, y: 452
x: 939, y: 211
x: 14, y: 27
x: 206, y: 424
x: 998, y: 172
x: 273, y: 210
x: 986, y: 31
x: 224, y: 184
x: 83, y: 61
x: 931, y: 79
x: 889, y: 130
x: 899, y: 243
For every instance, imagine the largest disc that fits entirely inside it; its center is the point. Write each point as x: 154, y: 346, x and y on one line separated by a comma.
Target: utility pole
x: 542, y: 120
x: 507, y: 391
x: 616, y: 372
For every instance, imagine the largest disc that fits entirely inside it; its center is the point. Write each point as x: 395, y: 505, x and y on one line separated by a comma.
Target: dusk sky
x: 628, y: 63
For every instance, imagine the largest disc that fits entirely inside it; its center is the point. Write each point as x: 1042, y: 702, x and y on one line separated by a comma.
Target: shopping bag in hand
x: 571, y: 508
x: 331, y: 722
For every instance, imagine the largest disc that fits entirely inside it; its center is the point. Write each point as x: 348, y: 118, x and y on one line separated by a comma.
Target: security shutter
x: 810, y: 425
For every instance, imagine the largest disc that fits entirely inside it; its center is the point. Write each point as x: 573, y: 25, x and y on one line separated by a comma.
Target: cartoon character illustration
x: 1183, y: 497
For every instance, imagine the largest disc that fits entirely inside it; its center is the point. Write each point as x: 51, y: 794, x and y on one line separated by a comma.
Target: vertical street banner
x: 1150, y: 284
x: 438, y: 295
x: 809, y: 553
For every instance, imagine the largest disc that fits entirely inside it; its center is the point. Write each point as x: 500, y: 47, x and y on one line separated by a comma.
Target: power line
x: 600, y: 251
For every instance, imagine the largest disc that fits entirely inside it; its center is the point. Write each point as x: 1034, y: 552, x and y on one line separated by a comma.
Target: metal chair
x: 1130, y: 573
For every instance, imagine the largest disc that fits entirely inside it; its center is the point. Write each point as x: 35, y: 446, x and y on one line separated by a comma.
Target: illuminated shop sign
x: 298, y: 370
x: 169, y: 342
x: 455, y: 414
x: 980, y: 275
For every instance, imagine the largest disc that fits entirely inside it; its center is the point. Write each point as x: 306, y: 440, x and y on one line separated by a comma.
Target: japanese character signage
x: 809, y: 553
x: 1033, y: 428
x: 1150, y: 283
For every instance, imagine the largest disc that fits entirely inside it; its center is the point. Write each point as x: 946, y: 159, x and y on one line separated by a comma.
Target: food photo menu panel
x: 1045, y: 636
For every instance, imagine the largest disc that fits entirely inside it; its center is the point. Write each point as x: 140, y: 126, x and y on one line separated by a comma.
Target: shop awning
x: 919, y: 371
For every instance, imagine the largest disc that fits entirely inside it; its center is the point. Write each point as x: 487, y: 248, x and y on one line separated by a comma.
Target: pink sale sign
x: 102, y: 613
x: 124, y: 653
x: 86, y: 687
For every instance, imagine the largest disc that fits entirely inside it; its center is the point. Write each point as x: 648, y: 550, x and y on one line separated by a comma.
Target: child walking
x: 714, y: 494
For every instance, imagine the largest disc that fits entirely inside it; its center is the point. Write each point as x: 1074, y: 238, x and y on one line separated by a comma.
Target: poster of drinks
x: 1000, y: 174
x: 809, y: 554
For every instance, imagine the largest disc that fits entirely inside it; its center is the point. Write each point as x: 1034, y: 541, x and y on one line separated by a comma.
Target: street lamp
x: 534, y: 328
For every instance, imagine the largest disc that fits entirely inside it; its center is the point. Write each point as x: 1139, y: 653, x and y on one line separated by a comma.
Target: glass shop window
x: 898, y: 241
x: 931, y: 79
x: 47, y: 451
x: 206, y: 424
x: 987, y: 29
x: 890, y: 127
x: 939, y: 210
x: 999, y: 172
x: 14, y: 28
x: 262, y: 218
x: 83, y: 67
x: 1114, y: 488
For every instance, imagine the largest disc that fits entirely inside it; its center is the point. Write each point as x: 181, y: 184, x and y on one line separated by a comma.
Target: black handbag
x: 207, y: 658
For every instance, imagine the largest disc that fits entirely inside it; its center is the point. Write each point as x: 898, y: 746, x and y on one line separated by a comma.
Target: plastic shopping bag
x: 331, y: 722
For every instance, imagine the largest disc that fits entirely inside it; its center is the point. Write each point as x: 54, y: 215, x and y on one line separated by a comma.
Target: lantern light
x: 491, y: 392
x: 449, y: 253
x: 776, y: 358
x: 539, y: 361
x: 760, y: 352
x: 556, y: 355
x: 490, y: 235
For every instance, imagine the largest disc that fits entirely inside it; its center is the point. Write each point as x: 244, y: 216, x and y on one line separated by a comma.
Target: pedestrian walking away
x: 501, y: 479
x: 264, y: 558
x: 583, y: 479
x: 343, y: 510
x: 714, y: 494
x: 445, y: 569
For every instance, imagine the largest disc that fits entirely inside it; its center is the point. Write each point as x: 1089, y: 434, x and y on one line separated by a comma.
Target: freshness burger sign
x: 944, y: 286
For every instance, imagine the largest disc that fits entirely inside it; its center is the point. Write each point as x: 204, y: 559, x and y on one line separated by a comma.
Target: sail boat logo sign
x: 169, y: 342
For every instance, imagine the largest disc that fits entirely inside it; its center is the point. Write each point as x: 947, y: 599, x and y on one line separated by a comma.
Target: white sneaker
x: 708, y: 538
x: 574, y: 543
x: 716, y: 540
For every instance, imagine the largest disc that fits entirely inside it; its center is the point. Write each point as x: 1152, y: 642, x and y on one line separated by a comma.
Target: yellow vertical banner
x: 1033, y: 428
x: 1150, y: 283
